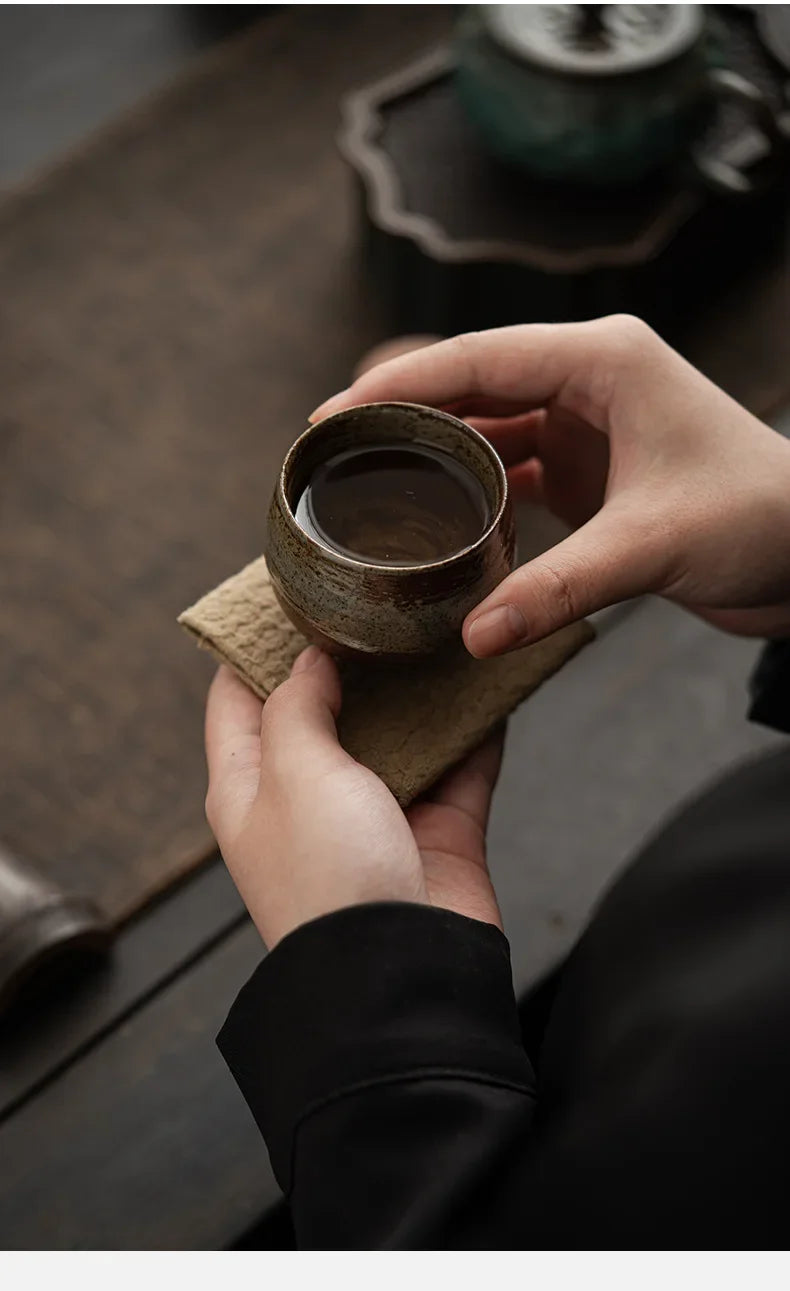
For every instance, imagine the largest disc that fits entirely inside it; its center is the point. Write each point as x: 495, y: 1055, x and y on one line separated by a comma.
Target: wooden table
x: 122, y: 1128
x: 119, y: 1124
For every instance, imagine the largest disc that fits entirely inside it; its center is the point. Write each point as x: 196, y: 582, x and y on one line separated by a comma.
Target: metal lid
x: 594, y: 39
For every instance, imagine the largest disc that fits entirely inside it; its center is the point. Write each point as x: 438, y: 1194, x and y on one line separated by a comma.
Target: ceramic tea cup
x: 358, y: 606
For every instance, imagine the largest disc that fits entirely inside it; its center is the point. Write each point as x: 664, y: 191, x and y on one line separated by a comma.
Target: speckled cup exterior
x: 357, y: 609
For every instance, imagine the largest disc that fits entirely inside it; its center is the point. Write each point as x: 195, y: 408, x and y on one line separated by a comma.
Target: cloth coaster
x: 409, y: 722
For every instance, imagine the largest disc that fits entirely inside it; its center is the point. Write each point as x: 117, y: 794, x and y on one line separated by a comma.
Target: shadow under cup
x: 357, y: 607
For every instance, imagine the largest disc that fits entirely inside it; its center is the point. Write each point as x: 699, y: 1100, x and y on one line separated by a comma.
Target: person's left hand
x: 305, y: 830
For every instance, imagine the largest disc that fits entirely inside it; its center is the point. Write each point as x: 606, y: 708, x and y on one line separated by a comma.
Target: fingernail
x: 495, y: 631
x: 324, y: 409
x: 307, y: 659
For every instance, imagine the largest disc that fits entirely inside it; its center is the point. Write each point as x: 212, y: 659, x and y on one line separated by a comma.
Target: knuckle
x: 563, y: 592
x: 617, y: 345
x: 466, y: 346
x: 627, y: 336
x: 556, y: 593
x: 276, y: 704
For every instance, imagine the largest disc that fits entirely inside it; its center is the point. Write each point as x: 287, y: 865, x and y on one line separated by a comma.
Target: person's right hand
x: 672, y: 487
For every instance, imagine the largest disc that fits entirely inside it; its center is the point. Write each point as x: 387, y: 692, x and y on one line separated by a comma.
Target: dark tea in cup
x: 394, y: 504
x: 388, y: 524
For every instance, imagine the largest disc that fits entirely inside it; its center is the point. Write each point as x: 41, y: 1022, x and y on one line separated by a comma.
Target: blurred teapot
x: 600, y: 94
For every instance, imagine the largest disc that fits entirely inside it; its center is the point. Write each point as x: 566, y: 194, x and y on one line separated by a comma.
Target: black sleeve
x: 770, y: 687
x: 380, y: 1052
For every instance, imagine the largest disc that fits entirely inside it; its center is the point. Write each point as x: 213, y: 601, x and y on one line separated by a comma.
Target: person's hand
x: 672, y: 487
x: 305, y: 830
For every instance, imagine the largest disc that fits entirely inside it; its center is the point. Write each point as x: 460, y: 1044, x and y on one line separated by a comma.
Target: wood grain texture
x: 173, y: 301
x: 71, y: 1008
x: 145, y: 1143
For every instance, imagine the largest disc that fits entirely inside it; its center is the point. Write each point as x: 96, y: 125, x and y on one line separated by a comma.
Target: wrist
x: 277, y: 919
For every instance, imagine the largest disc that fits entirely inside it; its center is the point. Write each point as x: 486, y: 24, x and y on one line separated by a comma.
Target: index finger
x: 527, y: 365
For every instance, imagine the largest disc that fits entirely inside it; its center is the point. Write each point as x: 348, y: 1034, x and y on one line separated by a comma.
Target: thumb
x: 611, y: 558
x: 299, y: 716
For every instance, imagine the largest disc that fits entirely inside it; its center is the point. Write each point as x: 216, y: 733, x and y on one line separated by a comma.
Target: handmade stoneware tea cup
x: 388, y: 524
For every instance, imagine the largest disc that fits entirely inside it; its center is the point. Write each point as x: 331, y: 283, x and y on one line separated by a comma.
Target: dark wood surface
x: 174, y: 299
x: 66, y: 69
x: 121, y: 1127
x: 58, y: 1019
x: 143, y: 1142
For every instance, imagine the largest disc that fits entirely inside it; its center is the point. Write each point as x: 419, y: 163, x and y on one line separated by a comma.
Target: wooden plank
x: 202, y: 296
x: 46, y: 1031
x: 64, y: 70
x: 145, y: 1142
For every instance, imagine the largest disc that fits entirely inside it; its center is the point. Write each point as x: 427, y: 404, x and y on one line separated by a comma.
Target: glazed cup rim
x: 396, y: 570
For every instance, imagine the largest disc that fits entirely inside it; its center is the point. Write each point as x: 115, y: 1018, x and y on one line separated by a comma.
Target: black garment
x: 648, y: 1104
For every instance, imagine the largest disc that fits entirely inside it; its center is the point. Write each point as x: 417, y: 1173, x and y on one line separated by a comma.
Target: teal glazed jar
x: 596, y: 94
